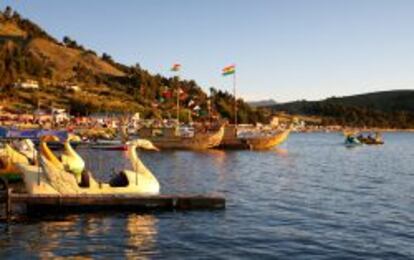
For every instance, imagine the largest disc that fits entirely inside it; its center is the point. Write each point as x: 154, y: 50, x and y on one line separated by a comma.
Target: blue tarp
x: 31, y: 133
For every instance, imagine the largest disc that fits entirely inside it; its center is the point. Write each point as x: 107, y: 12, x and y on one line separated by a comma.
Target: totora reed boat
x: 233, y: 140
x: 171, y: 138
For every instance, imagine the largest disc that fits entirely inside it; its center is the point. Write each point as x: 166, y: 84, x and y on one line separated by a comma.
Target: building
x: 60, y: 115
x: 74, y: 88
x: 27, y: 84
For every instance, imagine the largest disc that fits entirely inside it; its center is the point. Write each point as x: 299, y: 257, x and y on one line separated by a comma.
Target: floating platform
x: 42, y: 205
x: 45, y: 204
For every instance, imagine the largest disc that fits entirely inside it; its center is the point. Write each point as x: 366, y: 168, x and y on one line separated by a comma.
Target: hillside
x: 262, y: 103
x: 384, y: 109
x: 27, y: 52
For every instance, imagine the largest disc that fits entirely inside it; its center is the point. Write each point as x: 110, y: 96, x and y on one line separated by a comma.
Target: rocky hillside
x: 27, y: 52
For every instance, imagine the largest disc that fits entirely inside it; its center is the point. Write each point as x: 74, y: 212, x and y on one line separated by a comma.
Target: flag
x: 190, y: 103
x: 228, y: 70
x: 176, y: 67
x: 167, y: 94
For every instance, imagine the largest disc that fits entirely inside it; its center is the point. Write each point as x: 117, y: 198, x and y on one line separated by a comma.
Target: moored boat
x: 370, y: 140
x: 110, y: 145
x: 352, y: 141
x: 255, y: 141
x: 172, y: 138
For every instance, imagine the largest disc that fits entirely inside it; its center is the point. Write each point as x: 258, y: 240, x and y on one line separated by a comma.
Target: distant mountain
x: 386, y: 109
x: 262, y: 103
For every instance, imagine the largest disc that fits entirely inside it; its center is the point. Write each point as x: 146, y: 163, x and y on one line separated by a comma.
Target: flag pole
x: 178, y: 100
x: 235, y: 99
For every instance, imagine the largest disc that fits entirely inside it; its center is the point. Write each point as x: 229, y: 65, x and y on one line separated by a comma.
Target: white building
x: 74, y: 88
x: 60, y: 115
x: 28, y: 84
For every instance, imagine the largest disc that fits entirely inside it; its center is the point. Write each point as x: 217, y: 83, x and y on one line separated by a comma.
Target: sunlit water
x: 312, y: 198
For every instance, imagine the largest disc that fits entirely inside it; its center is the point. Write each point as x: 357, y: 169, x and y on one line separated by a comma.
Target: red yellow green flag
x: 176, y: 67
x: 228, y: 70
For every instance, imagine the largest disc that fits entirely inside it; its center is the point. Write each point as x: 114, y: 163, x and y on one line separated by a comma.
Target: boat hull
x: 254, y: 143
x: 109, y: 147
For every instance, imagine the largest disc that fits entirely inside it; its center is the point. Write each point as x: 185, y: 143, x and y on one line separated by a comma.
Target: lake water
x: 312, y: 198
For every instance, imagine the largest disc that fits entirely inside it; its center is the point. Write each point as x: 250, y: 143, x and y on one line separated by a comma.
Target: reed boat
x: 171, y: 138
x: 232, y: 139
x: 50, y: 179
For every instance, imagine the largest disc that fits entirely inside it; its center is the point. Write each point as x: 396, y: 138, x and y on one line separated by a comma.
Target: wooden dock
x: 44, y: 204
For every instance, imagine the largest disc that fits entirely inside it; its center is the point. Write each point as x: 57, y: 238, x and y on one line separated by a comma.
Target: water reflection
x: 281, y: 151
x: 140, y: 235
x: 85, y: 236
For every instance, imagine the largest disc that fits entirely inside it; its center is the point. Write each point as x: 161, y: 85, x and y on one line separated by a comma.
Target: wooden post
x: 8, y: 203
x: 5, y: 197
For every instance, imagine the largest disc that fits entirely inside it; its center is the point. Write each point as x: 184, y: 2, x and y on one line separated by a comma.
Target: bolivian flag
x: 176, y: 67
x: 228, y: 70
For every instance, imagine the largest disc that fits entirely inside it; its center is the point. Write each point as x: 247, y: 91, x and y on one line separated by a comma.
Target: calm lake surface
x: 312, y: 198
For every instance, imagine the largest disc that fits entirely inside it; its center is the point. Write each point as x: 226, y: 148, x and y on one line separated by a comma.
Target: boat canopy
x: 32, y: 133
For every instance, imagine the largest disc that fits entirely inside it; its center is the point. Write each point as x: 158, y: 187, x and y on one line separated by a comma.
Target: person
x: 378, y: 137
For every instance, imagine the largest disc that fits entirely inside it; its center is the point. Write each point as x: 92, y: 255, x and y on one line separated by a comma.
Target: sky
x: 284, y: 50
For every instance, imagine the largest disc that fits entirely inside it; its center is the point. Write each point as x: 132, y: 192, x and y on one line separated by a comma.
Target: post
x: 8, y: 203
x: 39, y: 161
x: 5, y: 197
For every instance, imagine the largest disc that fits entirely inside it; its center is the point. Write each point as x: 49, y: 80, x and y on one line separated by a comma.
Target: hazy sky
x: 286, y: 50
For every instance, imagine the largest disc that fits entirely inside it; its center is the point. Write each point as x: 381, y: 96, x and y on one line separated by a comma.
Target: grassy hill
x: 28, y: 52
x: 393, y: 109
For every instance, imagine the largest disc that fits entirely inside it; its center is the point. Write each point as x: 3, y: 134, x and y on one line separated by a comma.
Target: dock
x: 45, y: 204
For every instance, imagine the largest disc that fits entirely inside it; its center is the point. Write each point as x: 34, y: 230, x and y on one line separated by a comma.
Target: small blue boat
x: 352, y: 141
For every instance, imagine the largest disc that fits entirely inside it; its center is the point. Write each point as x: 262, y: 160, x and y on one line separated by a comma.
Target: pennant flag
x: 167, y: 93
x: 176, y: 67
x: 228, y: 70
x: 183, y: 96
x: 190, y: 103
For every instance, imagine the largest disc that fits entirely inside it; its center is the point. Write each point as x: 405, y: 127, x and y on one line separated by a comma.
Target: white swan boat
x: 49, y: 178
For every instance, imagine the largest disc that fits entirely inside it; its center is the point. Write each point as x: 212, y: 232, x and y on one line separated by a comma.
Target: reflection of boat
x: 171, y: 138
x: 52, y: 179
x: 141, y: 232
x: 113, y: 145
x: 259, y: 141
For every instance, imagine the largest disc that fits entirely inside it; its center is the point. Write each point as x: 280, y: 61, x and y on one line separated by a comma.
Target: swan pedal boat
x: 51, y: 179
x: 24, y: 153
